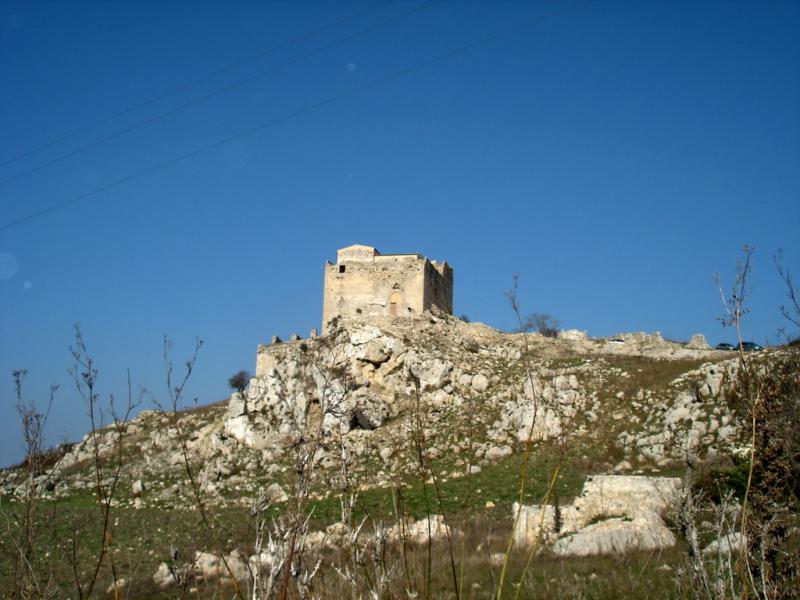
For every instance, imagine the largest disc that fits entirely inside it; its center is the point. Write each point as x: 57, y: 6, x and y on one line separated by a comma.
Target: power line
x: 222, y: 90
x: 185, y: 86
x: 289, y: 116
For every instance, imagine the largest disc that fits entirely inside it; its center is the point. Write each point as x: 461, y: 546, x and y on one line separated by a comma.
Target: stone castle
x: 366, y: 283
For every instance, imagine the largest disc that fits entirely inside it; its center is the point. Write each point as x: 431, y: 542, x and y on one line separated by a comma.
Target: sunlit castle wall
x: 364, y: 283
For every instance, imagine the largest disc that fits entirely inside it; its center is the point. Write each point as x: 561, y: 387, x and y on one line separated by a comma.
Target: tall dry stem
x: 27, y: 579
x: 176, y: 390
x: 513, y: 300
x: 106, y: 473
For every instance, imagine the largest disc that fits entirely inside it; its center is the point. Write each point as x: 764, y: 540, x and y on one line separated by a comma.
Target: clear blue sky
x: 617, y: 155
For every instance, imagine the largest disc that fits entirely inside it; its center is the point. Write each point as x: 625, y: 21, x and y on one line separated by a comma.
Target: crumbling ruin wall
x: 364, y: 283
x: 439, y: 287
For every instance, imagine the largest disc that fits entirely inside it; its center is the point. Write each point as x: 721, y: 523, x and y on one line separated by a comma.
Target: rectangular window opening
x: 341, y: 268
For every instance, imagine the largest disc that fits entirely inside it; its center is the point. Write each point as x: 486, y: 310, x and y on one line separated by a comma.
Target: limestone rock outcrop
x: 434, y: 527
x: 478, y: 395
x: 382, y: 368
x: 643, y: 531
x: 698, y: 342
x: 613, y: 513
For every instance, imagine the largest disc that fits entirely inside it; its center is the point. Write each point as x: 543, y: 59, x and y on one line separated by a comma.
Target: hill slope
x: 396, y: 417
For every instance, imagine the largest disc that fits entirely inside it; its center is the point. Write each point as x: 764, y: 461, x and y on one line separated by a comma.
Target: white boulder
x: 626, y: 495
x: 480, y: 383
x: 645, y: 531
x: 613, y: 513
x: 434, y: 526
x: 572, y: 335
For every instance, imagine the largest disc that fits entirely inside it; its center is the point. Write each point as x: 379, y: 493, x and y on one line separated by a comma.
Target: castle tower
x: 365, y: 283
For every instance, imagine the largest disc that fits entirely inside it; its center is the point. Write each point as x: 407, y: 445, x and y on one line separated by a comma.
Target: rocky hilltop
x: 347, y: 451
x: 629, y: 403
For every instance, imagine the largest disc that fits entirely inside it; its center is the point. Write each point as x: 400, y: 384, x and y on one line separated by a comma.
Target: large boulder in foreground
x: 645, y: 531
x: 625, y: 495
x: 614, y: 513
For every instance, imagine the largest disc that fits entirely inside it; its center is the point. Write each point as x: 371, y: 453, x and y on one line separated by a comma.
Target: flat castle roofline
x: 377, y: 255
x: 417, y: 254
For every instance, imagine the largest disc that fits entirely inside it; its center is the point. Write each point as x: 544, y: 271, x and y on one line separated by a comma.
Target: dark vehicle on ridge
x: 751, y: 347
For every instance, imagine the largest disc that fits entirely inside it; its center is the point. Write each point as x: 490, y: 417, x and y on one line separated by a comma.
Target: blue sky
x: 616, y: 154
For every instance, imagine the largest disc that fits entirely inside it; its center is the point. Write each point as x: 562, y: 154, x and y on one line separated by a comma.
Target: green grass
x: 141, y: 538
x: 498, y: 483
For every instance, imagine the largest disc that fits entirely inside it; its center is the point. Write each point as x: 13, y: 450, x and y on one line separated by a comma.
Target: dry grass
x: 145, y: 537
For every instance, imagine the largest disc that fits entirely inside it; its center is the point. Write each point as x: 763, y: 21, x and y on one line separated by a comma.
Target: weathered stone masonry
x: 365, y: 283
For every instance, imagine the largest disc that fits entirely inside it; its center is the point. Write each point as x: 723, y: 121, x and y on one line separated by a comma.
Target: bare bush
x: 765, y: 396
x: 29, y: 579
x: 771, y: 510
x: 541, y: 323
x: 530, y: 389
x: 106, y: 470
x: 790, y: 312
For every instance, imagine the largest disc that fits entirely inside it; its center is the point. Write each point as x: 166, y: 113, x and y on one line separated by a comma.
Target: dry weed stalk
x: 366, y: 566
x: 24, y: 528
x: 714, y: 577
x: 106, y: 475
x: 273, y: 554
x: 281, y: 543
x: 327, y: 366
x: 269, y: 555
x: 425, y: 465
x: 767, y: 397
x: 523, y: 477
x: 735, y: 306
x: 176, y: 394
x: 792, y: 312
x: 40, y: 466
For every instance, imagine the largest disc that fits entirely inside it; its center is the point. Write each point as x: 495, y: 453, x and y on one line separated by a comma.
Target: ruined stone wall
x: 439, y: 287
x: 365, y: 283
x: 370, y: 288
